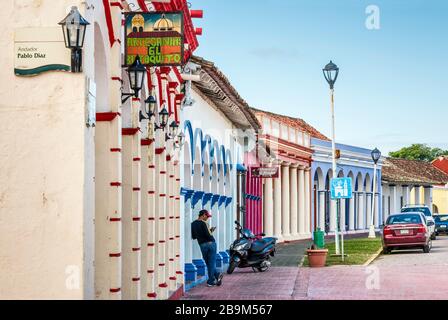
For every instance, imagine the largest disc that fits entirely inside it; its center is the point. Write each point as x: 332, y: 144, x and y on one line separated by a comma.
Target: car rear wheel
x: 427, y: 248
x: 387, y: 250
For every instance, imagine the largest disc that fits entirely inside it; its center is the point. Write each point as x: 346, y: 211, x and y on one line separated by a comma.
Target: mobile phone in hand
x: 212, y: 229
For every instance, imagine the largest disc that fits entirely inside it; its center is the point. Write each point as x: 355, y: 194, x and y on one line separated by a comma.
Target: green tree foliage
x: 418, y: 151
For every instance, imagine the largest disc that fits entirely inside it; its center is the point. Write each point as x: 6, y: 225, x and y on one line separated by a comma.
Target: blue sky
x: 393, y: 83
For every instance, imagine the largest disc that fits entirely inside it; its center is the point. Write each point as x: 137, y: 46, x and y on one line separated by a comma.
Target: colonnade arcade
x: 355, y: 213
x: 208, y: 183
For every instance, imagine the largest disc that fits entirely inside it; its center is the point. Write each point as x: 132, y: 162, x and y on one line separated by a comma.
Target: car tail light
x: 387, y: 231
x: 421, y: 228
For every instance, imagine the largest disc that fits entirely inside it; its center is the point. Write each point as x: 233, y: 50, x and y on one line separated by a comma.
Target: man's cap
x: 205, y: 212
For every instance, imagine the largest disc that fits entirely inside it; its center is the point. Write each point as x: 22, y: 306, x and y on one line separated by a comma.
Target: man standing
x: 207, y: 243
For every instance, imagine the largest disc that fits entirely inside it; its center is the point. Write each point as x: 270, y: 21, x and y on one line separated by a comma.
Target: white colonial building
x: 214, y: 121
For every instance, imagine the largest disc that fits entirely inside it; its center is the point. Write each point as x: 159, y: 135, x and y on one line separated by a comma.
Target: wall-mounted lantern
x: 151, y: 104
x: 74, y: 30
x: 163, y: 119
x: 136, y: 73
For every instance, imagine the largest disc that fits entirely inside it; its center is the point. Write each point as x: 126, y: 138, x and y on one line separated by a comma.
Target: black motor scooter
x: 248, y: 251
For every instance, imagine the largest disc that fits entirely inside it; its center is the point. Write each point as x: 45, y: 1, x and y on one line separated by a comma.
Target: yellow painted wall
x: 440, y: 199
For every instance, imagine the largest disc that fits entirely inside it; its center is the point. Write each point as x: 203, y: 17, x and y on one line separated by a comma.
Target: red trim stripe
x: 179, y: 272
x: 151, y: 166
x: 151, y: 219
x: 115, y: 219
x: 116, y: 79
x: 136, y: 219
x: 115, y: 184
x: 129, y: 131
x: 135, y: 189
x: 114, y: 290
x: 106, y: 116
x: 151, y: 192
x: 162, y: 195
x: 160, y: 150
x: 162, y: 172
x: 147, y: 142
x: 136, y: 159
x: 136, y: 249
x: 151, y: 244
x: 163, y: 285
x: 161, y: 264
x: 116, y: 4
x: 150, y: 271
x: 162, y: 241
x: 152, y: 295
x: 135, y: 279
x: 115, y: 150
x: 114, y: 255
x: 173, y: 278
x: 110, y: 27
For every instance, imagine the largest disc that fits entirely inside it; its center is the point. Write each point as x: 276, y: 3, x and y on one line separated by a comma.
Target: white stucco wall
x: 212, y: 122
x: 47, y: 167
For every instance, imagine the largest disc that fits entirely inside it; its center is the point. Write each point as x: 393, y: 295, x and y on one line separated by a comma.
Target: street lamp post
x: 376, y: 155
x: 331, y: 72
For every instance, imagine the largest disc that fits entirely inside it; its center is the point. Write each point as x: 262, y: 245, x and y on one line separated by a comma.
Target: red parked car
x: 406, y: 231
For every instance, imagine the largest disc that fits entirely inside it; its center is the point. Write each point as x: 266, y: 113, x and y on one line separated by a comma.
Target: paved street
x: 400, y: 275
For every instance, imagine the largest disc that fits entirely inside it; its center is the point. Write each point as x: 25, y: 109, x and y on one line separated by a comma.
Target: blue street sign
x: 341, y: 188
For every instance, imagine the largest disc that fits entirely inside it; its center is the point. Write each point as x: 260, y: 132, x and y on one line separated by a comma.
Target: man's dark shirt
x: 200, y: 231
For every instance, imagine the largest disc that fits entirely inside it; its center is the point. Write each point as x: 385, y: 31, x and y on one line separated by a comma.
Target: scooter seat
x: 260, y: 245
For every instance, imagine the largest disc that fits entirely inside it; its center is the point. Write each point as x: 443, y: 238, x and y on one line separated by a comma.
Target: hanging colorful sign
x: 265, y: 172
x: 157, y: 38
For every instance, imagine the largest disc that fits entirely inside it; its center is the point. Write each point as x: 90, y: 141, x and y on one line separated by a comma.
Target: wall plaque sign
x: 38, y: 50
x: 265, y: 172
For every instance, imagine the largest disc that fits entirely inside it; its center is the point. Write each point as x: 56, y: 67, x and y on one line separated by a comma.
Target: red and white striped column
x: 131, y: 236
x: 148, y: 284
x: 178, y: 261
x: 108, y: 179
x: 171, y: 219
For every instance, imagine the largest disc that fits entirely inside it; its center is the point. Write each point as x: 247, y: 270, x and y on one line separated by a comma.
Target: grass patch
x: 358, y: 251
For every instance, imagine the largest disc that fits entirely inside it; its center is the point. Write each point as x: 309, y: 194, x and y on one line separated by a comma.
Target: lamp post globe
x: 74, y: 31
x: 331, y: 72
x: 376, y: 155
x: 136, y: 73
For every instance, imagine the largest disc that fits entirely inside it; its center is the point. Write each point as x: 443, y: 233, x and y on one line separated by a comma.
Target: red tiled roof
x: 413, y: 172
x: 441, y: 163
x: 296, y: 123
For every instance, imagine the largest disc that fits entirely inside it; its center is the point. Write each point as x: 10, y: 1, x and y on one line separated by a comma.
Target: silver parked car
x: 428, y: 215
